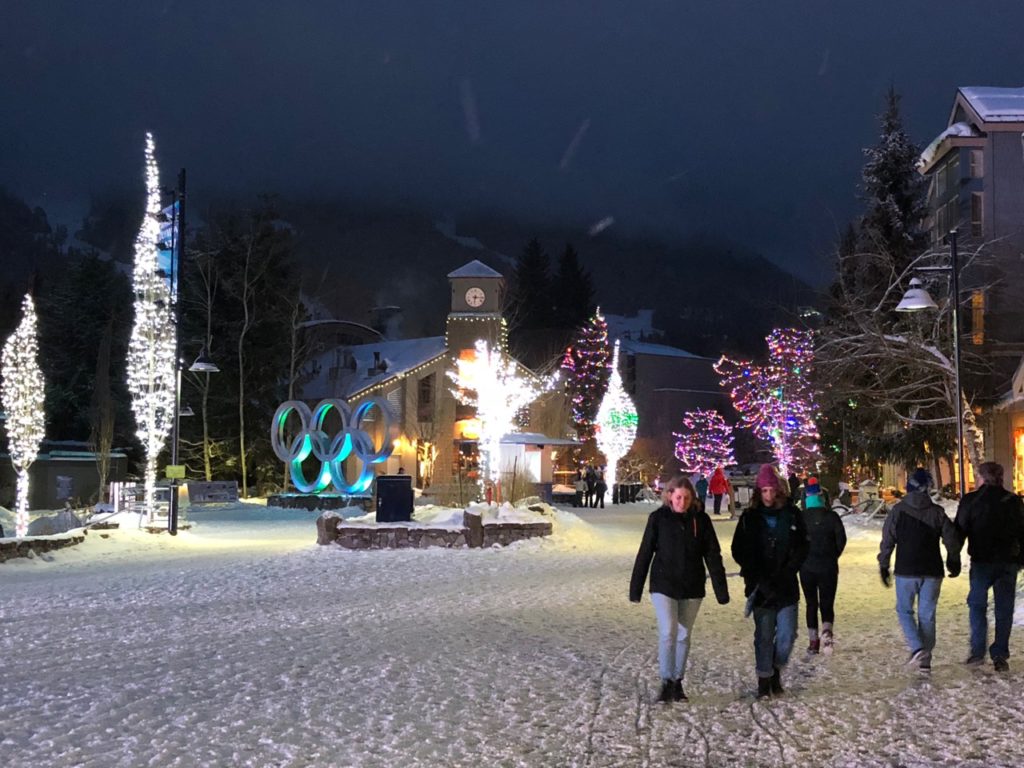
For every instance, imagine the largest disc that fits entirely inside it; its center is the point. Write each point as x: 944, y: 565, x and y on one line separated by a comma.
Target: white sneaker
x: 827, y: 641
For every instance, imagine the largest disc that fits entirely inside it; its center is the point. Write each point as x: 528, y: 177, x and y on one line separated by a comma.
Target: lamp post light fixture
x: 916, y: 299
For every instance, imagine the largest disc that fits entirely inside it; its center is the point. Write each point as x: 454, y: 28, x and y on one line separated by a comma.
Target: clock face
x: 475, y: 297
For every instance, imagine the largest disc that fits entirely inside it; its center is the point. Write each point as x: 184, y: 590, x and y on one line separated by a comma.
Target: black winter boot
x: 776, y: 683
x: 667, y: 690
x: 764, y: 687
x: 677, y: 691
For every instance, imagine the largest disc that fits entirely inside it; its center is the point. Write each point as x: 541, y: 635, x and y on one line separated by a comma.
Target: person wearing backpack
x: 770, y: 545
x: 991, y: 519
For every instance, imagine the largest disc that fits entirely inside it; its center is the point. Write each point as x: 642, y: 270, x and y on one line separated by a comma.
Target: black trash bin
x: 394, y: 498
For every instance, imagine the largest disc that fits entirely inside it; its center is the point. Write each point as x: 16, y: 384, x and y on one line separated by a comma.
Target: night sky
x: 718, y: 116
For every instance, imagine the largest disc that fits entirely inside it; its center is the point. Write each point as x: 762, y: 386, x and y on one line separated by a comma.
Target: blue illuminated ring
x: 331, y: 451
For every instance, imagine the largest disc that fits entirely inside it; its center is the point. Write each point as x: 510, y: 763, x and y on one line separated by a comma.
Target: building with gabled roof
x: 436, y: 442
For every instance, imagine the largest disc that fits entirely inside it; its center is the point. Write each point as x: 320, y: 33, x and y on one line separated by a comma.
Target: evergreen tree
x: 894, y: 194
x: 586, y: 363
x: 530, y: 293
x: 573, y: 294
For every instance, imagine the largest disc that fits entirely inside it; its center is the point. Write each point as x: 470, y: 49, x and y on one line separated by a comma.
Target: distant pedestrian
x: 600, y: 489
x: 718, y: 486
x: 591, y: 477
x: 770, y: 544
x: 794, y: 487
x: 913, y: 528
x: 819, y: 575
x: 992, y: 520
x: 580, y: 486
x: 701, y: 487
x: 679, y: 541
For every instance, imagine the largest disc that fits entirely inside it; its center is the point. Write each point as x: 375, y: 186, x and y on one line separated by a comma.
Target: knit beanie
x: 920, y: 480
x: 767, y: 477
x: 812, y: 494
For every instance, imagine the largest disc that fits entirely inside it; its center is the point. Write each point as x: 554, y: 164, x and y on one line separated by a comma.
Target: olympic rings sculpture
x: 331, y: 451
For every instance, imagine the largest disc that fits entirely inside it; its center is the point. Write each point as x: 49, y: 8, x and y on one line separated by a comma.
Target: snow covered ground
x: 243, y: 643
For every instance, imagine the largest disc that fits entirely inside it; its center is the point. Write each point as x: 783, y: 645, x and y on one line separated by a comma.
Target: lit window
x: 978, y: 317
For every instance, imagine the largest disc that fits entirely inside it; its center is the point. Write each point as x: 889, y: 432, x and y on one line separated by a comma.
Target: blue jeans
x: 774, y: 635
x: 1001, y: 578
x: 918, y: 629
x: 675, y: 624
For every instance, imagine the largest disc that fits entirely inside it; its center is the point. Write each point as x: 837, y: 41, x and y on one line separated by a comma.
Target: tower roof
x: 475, y: 268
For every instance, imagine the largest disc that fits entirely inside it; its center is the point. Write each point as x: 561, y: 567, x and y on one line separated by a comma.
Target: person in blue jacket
x: 679, y: 542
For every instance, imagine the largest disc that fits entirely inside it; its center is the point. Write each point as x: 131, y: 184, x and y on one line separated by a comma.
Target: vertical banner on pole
x: 167, y: 244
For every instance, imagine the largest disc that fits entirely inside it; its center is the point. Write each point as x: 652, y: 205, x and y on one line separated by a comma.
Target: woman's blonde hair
x: 679, y: 481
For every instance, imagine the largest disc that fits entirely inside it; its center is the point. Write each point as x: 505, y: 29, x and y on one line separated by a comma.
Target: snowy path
x: 141, y: 650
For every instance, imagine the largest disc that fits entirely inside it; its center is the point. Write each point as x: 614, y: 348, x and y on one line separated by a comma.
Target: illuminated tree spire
x: 616, y: 422
x: 151, y: 350
x: 776, y: 400
x: 21, y: 394
x: 586, y: 362
x: 705, y: 442
x: 490, y: 382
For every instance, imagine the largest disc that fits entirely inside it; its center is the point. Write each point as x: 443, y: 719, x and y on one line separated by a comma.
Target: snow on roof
x: 661, y: 350
x: 996, y: 105
x: 956, y: 129
x: 535, y: 438
x: 641, y: 325
x: 475, y: 268
x: 398, y: 357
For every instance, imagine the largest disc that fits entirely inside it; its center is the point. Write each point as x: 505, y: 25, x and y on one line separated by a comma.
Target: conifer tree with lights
x: 777, y: 400
x: 586, y: 363
x: 151, y: 349
x: 491, y: 382
x: 616, y: 423
x: 22, y: 395
x: 706, y: 442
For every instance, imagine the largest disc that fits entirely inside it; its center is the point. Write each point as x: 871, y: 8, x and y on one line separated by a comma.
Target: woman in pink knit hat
x: 770, y: 544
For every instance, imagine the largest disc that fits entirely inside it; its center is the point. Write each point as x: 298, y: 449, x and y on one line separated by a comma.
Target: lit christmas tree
x: 21, y: 393
x: 616, y: 425
x: 586, y: 363
x: 151, y: 350
x: 490, y: 382
x: 776, y: 400
x: 705, y: 442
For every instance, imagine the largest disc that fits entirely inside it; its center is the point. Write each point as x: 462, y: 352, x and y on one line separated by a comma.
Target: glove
x: 883, y: 572
x: 953, y: 568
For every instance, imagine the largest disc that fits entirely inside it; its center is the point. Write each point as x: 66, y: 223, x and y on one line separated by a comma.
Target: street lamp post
x: 917, y: 298
x: 178, y: 259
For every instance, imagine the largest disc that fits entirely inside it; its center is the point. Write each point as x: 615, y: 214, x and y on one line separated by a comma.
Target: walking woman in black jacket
x: 678, y: 542
x: 819, y: 575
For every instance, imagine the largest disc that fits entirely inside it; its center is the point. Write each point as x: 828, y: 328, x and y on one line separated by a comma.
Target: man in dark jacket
x: 770, y: 544
x: 913, y: 528
x: 992, y: 520
x: 678, y: 542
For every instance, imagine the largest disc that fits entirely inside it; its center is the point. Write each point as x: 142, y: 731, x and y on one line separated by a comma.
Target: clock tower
x: 477, y: 294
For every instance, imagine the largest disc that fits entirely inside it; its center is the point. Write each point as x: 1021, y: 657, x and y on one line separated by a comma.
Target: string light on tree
x: 586, y: 363
x: 706, y: 442
x: 489, y: 381
x: 776, y: 400
x: 151, y: 350
x: 616, y: 422
x: 21, y: 394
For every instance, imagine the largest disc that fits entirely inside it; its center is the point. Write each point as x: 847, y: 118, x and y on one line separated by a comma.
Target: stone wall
x: 30, y: 547
x: 331, y: 529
